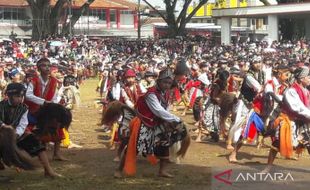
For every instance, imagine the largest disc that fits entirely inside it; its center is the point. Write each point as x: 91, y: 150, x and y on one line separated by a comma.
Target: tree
x: 176, y: 25
x: 46, y: 18
x: 76, y: 16
x: 265, y: 2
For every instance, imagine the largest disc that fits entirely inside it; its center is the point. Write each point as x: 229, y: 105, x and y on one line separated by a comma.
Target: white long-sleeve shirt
x: 155, y: 106
x: 253, y: 83
x: 291, y: 98
x: 35, y: 99
x: 116, y: 91
x: 127, y: 100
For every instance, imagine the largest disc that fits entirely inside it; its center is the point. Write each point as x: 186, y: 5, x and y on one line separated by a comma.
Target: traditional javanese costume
x: 129, y: 96
x: 151, y: 131
x: 70, y: 98
x: 39, y: 91
x: 263, y: 106
x: 201, y: 95
x: 292, y: 129
x: 211, y: 109
x: 194, y: 92
x: 251, y: 86
x: 16, y: 116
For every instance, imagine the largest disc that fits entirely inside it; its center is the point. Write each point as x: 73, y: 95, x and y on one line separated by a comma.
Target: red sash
x: 303, y: 95
x: 230, y: 87
x: 48, y: 93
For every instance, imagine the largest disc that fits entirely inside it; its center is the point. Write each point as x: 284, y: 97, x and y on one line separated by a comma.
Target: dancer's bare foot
x: 118, y: 174
x: 197, y: 124
x: 60, y: 158
x: 232, y: 158
x: 116, y: 159
x: 183, y: 114
x: 52, y: 174
x: 113, y: 147
x: 198, y: 139
x: 293, y: 158
x: 73, y: 145
x: 230, y: 147
x: 165, y: 174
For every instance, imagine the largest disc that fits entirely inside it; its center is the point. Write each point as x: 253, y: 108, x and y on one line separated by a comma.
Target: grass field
x: 92, y: 167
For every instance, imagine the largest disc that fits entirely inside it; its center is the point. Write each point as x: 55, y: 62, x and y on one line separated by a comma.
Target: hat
x: 166, y: 73
x: 130, y: 73
x: 13, y: 72
x: 15, y: 89
x: 256, y: 59
x: 234, y: 70
x: 282, y: 67
x: 301, y: 72
x: 181, y: 68
x: 42, y: 60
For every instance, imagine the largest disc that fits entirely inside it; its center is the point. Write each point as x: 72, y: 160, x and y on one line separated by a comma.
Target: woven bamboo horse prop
x: 10, y: 154
x: 48, y: 114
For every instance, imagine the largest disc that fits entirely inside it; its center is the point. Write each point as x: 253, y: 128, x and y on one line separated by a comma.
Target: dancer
x: 292, y: 125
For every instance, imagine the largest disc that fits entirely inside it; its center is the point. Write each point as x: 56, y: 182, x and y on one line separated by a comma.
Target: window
x: 96, y: 15
x: 7, y: 14
x: 14, y: 14
x: 1, y: 13
x: 112, y: 15
x: 126, y: 12
x: 102, y: 15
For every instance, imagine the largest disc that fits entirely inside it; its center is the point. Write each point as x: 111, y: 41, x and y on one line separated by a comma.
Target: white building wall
x: 127, y: 19
x: 258, y: 3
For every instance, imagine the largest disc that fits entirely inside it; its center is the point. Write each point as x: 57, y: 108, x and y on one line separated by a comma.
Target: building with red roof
x: 105, y: 17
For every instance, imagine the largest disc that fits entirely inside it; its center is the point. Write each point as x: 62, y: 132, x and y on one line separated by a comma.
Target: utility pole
x: 88, y: 22
x: 70, y: 13
x: 139, y: 20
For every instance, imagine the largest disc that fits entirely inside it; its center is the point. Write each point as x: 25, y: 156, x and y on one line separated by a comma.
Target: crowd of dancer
x: 238, y: 93
x: 38, y: 91
x: 242, y: 93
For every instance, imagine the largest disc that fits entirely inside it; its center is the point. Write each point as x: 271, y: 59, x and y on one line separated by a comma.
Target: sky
x: 159, y: 3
